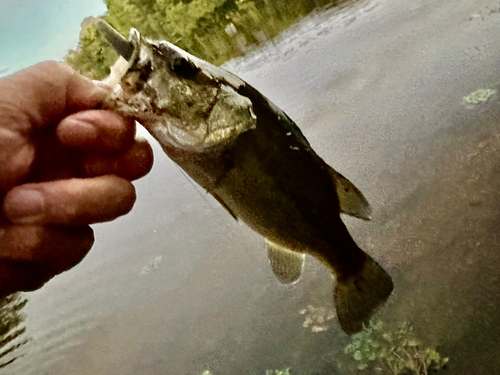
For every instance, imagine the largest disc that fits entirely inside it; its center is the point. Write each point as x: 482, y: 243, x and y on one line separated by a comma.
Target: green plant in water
x: 479, y: 96
x: 395, y: 352
x: 316, y: 318
x: 278, y: 372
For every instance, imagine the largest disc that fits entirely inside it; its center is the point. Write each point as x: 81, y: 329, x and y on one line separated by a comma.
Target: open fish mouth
x: 180, y: 99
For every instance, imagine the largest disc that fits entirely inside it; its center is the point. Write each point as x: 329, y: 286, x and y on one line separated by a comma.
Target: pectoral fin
x: 351, y: 200
x: 286, y: 264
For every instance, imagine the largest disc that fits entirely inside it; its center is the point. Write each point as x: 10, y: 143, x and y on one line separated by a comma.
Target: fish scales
x: 286, y: 195
x: 254, y: 160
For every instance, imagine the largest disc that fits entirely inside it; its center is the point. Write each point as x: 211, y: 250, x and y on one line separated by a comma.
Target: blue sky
x: 32, y: 31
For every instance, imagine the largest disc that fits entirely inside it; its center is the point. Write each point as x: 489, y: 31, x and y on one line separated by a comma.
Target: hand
x: 64, y: 164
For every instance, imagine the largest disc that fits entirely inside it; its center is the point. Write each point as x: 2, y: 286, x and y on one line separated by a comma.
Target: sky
x: 35, y: 31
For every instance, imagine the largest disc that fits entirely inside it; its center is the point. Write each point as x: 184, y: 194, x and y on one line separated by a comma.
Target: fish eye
x: 182, y: 66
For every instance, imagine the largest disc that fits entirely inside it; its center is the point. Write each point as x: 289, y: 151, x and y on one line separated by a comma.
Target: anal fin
x: 351, y: 200
x: 286, y: 264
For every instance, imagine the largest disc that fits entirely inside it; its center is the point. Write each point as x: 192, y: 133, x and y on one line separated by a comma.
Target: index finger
x: 36, y: 98
x: 44, y: 94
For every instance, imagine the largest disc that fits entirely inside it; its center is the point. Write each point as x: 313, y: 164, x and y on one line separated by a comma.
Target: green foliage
x: 479, y: 96
x: 397, y: 352
x: 93, y: 57
x: 214, y: 30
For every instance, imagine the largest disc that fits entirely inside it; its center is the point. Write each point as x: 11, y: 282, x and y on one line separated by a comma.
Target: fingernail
x: 24, y: 206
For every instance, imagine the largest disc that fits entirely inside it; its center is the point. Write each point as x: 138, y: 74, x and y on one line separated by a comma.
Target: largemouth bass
x: 253, y: 159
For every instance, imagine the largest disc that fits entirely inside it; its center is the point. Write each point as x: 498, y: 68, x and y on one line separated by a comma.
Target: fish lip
x: 143, y: 60
x: 134, y: 39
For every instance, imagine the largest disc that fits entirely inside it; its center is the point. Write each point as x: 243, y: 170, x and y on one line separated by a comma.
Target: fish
x: 254, y: 160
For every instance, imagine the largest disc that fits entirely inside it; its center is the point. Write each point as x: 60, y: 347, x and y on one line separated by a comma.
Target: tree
x: 197, y: 26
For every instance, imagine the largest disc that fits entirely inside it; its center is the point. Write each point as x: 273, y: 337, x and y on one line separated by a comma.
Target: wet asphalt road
x: 378, y: 90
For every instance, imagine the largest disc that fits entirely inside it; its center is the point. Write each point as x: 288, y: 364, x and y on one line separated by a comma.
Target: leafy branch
x: 214, y: 30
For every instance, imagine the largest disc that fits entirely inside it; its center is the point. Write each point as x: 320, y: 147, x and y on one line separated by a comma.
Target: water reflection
x: 12, y: 331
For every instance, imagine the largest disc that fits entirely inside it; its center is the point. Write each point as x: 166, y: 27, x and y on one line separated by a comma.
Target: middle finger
x: 69, y: 202
x: 96, y: 131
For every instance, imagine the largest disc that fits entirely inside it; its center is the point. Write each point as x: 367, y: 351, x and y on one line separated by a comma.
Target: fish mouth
x: 123, y: 46
x: 183, y: 101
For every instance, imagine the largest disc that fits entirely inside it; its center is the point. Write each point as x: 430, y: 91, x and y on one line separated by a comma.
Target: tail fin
x: 358, y: 295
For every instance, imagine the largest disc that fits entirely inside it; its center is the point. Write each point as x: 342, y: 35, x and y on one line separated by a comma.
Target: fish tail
x: 358, y: 295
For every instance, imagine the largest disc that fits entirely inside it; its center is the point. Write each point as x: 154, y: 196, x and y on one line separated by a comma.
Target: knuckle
x: 56, y: 67
x: 69, y: 214
x: 38, y: 240
x: 22, y: 243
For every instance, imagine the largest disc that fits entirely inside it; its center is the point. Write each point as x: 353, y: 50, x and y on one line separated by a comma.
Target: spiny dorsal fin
x: 351, y: 200
x: 286, y: 264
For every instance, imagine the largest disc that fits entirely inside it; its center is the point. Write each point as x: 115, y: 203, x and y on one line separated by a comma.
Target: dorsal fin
x: 286, y: 264
x: 351, y: 200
